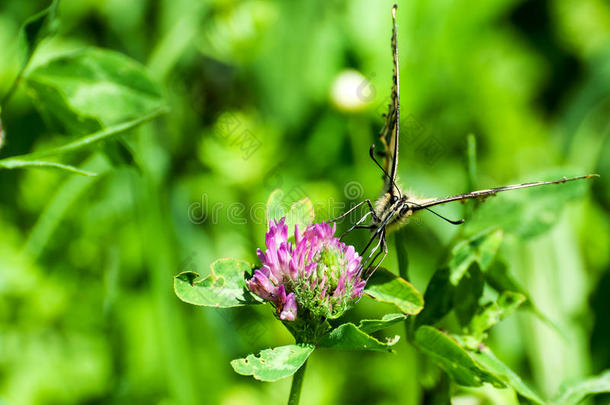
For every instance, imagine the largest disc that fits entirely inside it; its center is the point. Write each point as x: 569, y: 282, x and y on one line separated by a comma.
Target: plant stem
x: 400, y: 241
x: 297, y: 384
x: 472, y: 161
x: 471, y: 157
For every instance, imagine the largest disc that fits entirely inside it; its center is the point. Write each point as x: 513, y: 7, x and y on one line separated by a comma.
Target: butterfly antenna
x: 372, y: 154
x: 458, y: 222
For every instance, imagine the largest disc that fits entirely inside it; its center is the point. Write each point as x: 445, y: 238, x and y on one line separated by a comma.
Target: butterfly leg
x: 368, y: 259
x: 368, y: 245
x: 357, y: 225
x: 384, y: 250
x: 384, y: 247
x: 371, y: 210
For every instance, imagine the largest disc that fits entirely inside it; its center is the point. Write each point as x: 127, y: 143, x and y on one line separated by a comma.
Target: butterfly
x: 393, y: 209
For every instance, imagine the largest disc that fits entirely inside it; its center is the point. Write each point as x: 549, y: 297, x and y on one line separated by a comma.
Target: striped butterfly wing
x: 481, y: 194
x: 389, y: 134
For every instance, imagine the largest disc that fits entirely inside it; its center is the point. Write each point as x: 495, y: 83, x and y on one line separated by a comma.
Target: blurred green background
x: 272, y: 94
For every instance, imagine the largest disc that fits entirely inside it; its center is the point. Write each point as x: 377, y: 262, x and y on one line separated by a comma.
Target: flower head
x: 315, y: 272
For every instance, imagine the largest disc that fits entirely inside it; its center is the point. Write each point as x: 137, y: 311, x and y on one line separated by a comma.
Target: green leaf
x: 273, y: 364
x: 467, y: 294
x: 387, y: 287
x: 350, y: 337
x: 102, y: 135
x: 301, y: 213
x: 450, y: 356
x: 84, y: 142
x: 529, y: 212
x: 438, y: 298
x: 32, y: 159
x: 487, y: 359
x: 480, y: 248
x: 36, y: 28
x: 118, y: 153
x: 574, y: 392
x: 500, y: 279
x: 93, y: 88
x: 225, y: 287
x: 1, y: 130
x: 275, y: 210
x: 491, y: 314
x: 373, y: 325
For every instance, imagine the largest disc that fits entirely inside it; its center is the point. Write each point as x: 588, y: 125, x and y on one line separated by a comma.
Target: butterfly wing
x: 431, y: 202
x: 389, y: 133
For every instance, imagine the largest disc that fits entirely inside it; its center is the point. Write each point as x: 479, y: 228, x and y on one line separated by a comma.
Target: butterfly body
x: 392, y: 211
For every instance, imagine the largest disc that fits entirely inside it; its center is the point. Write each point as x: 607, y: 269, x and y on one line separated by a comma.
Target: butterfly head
x: 392, y: 209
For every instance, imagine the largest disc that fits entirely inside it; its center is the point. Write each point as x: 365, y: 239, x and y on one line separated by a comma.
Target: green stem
x: 471, y: 157
x: 472, y: 161
x: 297, y: 384
x: 400, y: 241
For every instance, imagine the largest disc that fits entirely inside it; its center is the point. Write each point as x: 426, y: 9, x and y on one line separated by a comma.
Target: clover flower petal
x: 315, y: 272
